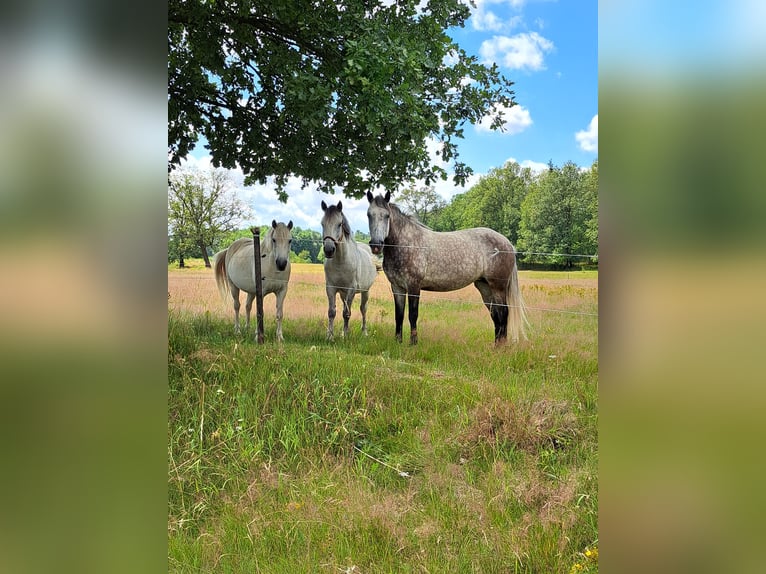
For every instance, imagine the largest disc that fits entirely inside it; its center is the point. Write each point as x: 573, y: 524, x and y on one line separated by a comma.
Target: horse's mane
x: 266, y: 242
x: 408, y: 216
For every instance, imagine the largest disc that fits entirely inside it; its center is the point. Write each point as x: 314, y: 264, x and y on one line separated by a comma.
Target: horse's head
x: 378, y: 215
x: 281, y: 238
x: 334, y: 228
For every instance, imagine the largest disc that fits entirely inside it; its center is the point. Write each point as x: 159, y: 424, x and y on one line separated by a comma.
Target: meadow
x: 365, y: 455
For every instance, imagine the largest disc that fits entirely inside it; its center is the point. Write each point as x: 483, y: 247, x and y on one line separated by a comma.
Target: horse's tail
x: 219, y: 265
x: 517, y: 315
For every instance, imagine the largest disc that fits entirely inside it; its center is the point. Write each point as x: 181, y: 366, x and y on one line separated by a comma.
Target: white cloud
x: 515, y: 119
x: 524, y: 51
x: 483, y: 19
x: 588, y: 138
x: 535, y: 166
x: 303, y: 206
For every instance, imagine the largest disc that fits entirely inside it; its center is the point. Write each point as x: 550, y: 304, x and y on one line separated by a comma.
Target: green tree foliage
x: 591, y: 190
x: 494, y: 202
x: 361, y: 237
x: 556, y: 214
x: 450, y: 218
x: 202, y: 209
x: 302, y: 257
x: 308, y: 241
x: 422, y: 202
x: 339, y: 93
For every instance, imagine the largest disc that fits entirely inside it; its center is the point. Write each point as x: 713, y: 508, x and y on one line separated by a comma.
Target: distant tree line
x: 551, y: 217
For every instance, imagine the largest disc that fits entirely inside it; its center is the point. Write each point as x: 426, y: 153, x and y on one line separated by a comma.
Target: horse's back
x: 451, y: 260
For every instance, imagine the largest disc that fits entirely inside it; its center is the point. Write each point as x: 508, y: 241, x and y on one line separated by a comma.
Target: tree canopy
x: 202, y: 209
x: 495, y: 202
x: 422, y: 202
x: 559, y: 215
x: 342, y: 93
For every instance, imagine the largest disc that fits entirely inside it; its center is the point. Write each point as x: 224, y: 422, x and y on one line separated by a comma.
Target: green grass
x: 365, y: 455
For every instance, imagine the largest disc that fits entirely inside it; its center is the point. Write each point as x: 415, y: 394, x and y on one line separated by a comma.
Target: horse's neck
x: 346, y: 248
x: 266, y: 245
x: 402, y: 229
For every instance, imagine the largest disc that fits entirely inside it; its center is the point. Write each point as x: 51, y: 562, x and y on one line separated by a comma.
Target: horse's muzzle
x: 281, y: 264
x: 329, y: 248
x: 376, y: 247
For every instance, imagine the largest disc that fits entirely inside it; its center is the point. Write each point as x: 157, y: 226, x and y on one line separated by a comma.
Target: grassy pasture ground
x: 364, y: 455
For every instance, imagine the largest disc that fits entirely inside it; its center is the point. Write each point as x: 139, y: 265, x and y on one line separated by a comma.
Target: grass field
x: 364, y: 455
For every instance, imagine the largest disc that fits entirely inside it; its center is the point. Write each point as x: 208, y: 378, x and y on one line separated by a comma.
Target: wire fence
x: 432, y: 297
x: 515, y: 252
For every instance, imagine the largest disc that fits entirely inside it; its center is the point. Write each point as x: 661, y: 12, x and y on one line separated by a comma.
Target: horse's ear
x: 274, y: 223
x: 388, y: 196
x: 324, y: 206
x: 340, y: 206
x: 369, y: 197
x: 290, y: 224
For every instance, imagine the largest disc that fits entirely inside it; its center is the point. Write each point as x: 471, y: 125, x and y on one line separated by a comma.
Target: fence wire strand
x: 593, y: 256
x: 437, y: 298
x: 452, y: 300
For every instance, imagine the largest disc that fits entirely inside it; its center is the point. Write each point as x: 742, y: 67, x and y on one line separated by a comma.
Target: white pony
x: 348, y: 267
x: 235, y: 270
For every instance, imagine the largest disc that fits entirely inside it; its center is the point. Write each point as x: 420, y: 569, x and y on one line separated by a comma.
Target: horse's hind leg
x: 248, y: 308
x: 400, y: 299
x: 348, y: 299
x: 363, y: 308
x: 498, y: 309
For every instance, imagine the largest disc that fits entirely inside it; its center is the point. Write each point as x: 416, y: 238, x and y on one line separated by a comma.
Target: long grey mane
x: 394, y: 208
x: 266, y: 243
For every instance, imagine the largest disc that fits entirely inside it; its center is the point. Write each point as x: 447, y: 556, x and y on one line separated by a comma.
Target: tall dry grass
x: 365, y: 455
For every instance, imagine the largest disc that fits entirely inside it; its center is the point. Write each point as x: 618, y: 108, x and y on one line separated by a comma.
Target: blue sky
x: 548, y: 48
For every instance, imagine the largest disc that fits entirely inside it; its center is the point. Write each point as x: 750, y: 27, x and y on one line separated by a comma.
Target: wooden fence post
x: 256, y: 231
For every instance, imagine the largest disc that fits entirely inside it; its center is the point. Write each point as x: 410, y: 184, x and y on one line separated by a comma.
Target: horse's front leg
x: 248, y: 309
x: 280, y: 306
x: 413, y: 299
x: 363, y: 308
x: 330, y: 313
x: 400, y: 297
x: 348, y: 299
